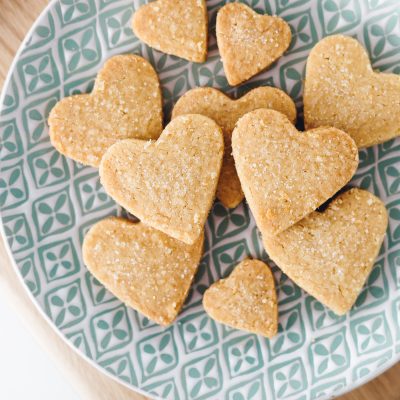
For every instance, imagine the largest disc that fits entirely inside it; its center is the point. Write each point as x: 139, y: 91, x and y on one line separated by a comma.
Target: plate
x: 48, y: 203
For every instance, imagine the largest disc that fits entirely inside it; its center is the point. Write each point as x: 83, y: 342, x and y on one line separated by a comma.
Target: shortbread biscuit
x: 342, y: 90
x: 286, y: 174
x: 245, y: 300
x: 177, y: 27
x: 125, y: 103
x: 249, y: 42
x: 225, y: 112
x: 146, y: 269
x: 330, y: 254
x: 168, y: 184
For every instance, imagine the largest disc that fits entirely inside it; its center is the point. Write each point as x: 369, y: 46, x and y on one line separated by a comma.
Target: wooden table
x: 16, y: 17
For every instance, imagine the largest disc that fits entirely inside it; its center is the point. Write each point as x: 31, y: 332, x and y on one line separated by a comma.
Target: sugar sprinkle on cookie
x: 225, y: 112
x: 286, y: 174
x: 342, y: 90
x: 146, y: 269
x: 245, y: 300
x: 331, y: 253
x: 169, y: 184
x: 249, y: 42
x: 125, y: 103
x: 177, y: 27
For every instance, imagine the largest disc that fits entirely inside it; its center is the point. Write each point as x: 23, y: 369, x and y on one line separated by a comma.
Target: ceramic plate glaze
x: 48, y: 203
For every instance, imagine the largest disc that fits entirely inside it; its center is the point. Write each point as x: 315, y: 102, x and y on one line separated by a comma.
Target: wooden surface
x: 16, y: 17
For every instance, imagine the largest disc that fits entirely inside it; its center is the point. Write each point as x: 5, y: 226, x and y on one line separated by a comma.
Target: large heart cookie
x: 146, y: 269
x: 249, y: 42
x: 330, y: 254
x: 286, y: 174
x: 342, y: 90
x: 225, y: 112
x: 245, y: 300
x: 177, y: 27
x: 125, y: 103
x: 168, y: 184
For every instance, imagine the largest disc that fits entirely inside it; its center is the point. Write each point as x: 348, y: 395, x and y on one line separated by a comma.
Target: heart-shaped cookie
x: 146, y: 269
x: 330, y: 254
x: 225, y: 112
x: 125, y: 103
x: 168, y: 184
x: 286, y: 174
x: 245, y: 300
x: 177, y: 27
x: 249, y: 42
x: 342, y: 90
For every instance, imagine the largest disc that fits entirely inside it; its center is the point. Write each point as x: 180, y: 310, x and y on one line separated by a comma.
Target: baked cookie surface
x: 168, y: 184
x: 331, y: 253
x: 246, y: 299
x: 177, y: 27
x: 226, y: 112
x: 286, y: 174
x: 146, y: 269
x: 125, y: 103
x: 249, y: 42
x: 342, y: 90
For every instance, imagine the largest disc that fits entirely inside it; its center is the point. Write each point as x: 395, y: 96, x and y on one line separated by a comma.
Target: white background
x: 26, y: 371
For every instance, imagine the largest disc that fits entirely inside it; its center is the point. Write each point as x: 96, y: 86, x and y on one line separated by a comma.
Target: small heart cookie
x: 177, y: 27
x: 125, y: 103
x: 342, y: 90
x: 286, y: 174
x: 245, y: 300
x: 146, y: 269
x: 168, y: 184
x: 225, y: 112
x: 249, y: 42
x: 331, y: 253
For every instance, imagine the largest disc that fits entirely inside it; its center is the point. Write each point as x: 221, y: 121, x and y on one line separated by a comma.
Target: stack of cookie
x: 230, y: 149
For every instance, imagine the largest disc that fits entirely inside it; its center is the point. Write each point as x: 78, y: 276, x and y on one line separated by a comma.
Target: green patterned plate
x: 48, y: 202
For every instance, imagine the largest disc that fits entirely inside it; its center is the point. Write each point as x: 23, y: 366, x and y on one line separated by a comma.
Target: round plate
x: 48, y: 203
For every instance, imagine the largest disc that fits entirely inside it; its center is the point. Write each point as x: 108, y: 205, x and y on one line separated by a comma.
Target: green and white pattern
x: 49, y: 202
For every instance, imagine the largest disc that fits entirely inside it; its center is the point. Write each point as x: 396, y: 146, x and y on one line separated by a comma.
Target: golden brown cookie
x: 330, y: 254
x: 177, y: 27
x: 168, y: 184
x: 249, y: 42
x: 245, y: 300
x: 146, y: 269
x: 286, y: 174
x: 342, y: 90
x: 125, y: 103
x: 225, y: 112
